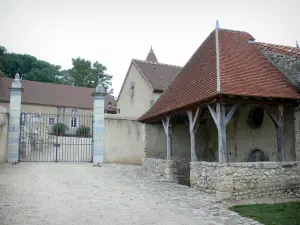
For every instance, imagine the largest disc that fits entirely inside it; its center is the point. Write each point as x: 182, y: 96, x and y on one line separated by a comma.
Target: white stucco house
x: 144, y: 83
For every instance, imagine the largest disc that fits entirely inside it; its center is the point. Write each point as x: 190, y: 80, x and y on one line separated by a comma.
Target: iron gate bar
x: 40, y: 142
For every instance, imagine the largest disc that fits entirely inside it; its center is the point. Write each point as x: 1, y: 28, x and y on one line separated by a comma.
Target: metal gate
x: 55, y: 137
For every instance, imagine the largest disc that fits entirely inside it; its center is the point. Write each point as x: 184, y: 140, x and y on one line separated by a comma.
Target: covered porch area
x: 231, y: 146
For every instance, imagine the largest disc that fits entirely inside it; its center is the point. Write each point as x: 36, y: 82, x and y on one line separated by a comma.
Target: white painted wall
x: 143, y: 94
x: 123, y: 140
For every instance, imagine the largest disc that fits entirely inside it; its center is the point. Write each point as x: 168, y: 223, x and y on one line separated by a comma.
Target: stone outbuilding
x: 230, y: 119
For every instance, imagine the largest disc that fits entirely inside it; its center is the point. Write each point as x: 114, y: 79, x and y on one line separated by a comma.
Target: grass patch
x: 271, y: 214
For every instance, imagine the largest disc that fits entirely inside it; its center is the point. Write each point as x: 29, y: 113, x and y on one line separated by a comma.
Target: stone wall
x: 155, y: 145
x: 247, y: 180
x: 177, y: 171
x: 243, y: 139
x: 203, y: 176
x: 123, y: 140
x: 297, y: 134
x: 3, y: 134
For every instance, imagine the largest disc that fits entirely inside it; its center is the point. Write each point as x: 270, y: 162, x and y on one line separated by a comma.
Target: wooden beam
x: 220, y: 108
x: 164, y: 123
x: 196, y: 118
x: 168, y: 131
x: 278, y: 121
x: 192, y: 135
x: 280, y: 133
x: 213, y: 113
x: 201, y: 115
x: 219, y: 118
x: 230, y: 113
x: 261, y: 101
x: 272, y: 115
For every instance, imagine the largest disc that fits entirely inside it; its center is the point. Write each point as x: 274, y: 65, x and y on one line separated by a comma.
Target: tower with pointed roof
x: 151, y: 57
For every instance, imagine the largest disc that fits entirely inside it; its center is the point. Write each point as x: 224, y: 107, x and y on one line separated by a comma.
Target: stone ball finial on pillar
x: 100, y: 89
x: 16, y: 83
x: 17, y: 77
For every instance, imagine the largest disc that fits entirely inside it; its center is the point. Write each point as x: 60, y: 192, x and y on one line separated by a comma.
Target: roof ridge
x: 287, y: 46
x: 234, y: 31
x: 47, y: 83
x: 163, y: 64
x: 61, y: 85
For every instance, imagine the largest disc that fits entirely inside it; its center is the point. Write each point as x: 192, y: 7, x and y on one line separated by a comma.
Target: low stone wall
x: 203, y: 176
x: 247, y: 180
x: 177, y: 171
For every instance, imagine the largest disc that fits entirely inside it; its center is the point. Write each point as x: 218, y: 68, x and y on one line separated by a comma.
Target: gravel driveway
x: 71, y: 194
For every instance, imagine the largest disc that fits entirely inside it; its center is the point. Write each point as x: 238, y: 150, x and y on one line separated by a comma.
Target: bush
x: 59, y: 128
x: 83, y: 131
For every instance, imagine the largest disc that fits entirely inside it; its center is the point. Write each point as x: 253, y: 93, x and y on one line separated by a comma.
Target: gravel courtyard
x: 71, y: 194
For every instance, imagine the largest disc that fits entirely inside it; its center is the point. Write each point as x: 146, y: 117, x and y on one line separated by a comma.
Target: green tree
x: 84, y: 73
x: 29, y: 67
x: 2, y: 50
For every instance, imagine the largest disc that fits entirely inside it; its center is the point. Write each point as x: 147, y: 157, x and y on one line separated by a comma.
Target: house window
x: 35, y: 119
x: 74, y: 122
x: 23, y: 118
x: 51, y: 121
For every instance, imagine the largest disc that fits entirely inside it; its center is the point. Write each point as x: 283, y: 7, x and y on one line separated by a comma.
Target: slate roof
x: 53, y: 94
x: 151, y: 57
x: 158, y: 75
x: 243, y: 71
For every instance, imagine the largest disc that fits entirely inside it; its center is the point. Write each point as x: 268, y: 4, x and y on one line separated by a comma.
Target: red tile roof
x: 197, y: 80
x: 286, y: 50
x: 158, y: 75
x: 53, y: 94
x: 243, y: 71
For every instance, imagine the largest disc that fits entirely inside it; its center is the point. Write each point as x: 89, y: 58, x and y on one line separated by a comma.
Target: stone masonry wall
x: 297, y: 134
x: 155, y: 145
x: 247, y: 180
x: 177, y: 171
x: 203, y: 176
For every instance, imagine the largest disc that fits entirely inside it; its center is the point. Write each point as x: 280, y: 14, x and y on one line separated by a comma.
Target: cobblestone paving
x: 49, y: 193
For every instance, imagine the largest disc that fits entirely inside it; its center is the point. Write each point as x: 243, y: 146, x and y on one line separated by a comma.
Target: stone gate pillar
x: 14, y: 120
x: 98, y: 126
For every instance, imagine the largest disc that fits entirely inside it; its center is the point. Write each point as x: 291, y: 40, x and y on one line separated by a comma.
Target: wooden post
x: 168, y: 131
x: 193, y: 125
x: 279, y: 124
x: 280, y: 130
x: 221, y: 132
x: 221, y: 120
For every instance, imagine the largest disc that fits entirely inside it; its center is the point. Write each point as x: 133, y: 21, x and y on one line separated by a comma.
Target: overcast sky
x: 115, y: 31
